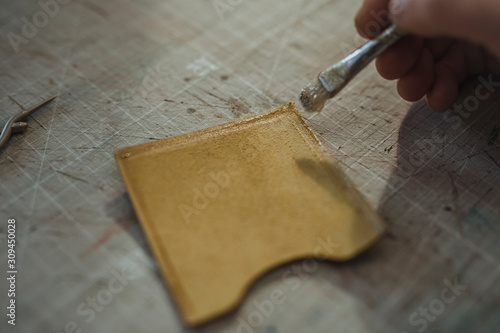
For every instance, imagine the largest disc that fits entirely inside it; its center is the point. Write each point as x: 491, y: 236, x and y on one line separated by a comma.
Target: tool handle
x: 360, y: 58
x: 338, y: 75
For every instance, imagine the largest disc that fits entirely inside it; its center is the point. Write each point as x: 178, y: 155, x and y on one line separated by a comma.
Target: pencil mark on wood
x: 493, y: 135
x: 71, y: 176
x: 492, y: 158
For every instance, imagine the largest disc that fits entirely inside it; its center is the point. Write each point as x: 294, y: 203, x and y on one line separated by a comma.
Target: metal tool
x: 332, y: 80
x: 16, y: 123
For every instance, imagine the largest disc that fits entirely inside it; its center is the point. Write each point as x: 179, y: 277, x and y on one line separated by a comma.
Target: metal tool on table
x: 17, y: 123
x: 332, y: 80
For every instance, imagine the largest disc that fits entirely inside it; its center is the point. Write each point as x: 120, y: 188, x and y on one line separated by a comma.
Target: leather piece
x: 223, y: 205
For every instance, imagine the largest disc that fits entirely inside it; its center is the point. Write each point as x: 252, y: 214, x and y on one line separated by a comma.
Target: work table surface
x: 128, y: 72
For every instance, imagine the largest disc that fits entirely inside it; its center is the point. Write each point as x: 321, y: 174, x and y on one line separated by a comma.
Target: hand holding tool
x: 332, y: 80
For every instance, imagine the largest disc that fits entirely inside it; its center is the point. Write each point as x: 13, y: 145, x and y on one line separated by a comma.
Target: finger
x: 474, y: 58
x: 494, y: 48
x: 476, y: 21
x: 372, y: 17
x: 400, y: 58
x: 454, y: 59
x: 492, y: 63
x: 418, y: 81
x: 438, y: 46
x: 444, y: 91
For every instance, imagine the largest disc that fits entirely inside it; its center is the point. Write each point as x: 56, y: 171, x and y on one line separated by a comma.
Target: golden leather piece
x: 223, y: 205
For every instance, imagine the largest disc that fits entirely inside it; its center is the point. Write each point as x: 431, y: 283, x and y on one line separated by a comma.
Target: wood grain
x: 129, y: 72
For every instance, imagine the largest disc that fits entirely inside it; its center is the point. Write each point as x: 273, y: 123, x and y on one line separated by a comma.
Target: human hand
x: 450, y: 39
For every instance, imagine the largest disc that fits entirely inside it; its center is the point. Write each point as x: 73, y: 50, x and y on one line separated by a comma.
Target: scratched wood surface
x: 128, y: 72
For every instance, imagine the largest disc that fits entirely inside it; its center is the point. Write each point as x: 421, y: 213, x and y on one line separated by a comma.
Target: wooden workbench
x: 128, y: 72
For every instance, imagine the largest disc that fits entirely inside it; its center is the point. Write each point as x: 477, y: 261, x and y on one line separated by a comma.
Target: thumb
x: 476, y: 21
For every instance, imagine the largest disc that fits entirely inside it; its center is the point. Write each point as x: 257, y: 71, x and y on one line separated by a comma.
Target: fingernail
x: 396, y: 7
